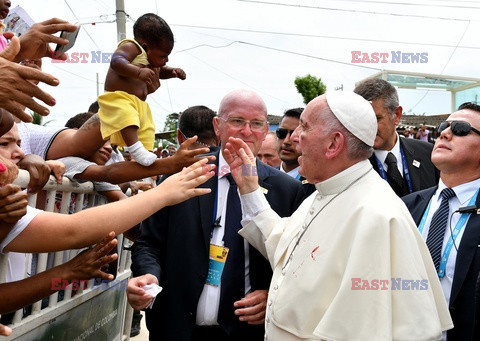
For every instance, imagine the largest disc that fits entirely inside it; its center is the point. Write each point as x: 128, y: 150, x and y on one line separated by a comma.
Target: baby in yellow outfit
x: 136, y: 65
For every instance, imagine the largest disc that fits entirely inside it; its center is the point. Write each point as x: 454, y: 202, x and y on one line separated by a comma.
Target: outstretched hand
x: 242, y: 165
x: 89, y: 263
x: 185, y: 156
x: 35, y: 43
x: 16, y: 87
x: 182, y: 186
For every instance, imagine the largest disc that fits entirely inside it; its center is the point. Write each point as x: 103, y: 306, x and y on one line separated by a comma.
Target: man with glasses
x: 224, y: 296
x: 404, y: 163
x: 285, y: 145
x: 448, y: 217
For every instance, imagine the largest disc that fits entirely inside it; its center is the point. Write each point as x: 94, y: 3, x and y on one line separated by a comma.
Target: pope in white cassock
x: 349, y: 264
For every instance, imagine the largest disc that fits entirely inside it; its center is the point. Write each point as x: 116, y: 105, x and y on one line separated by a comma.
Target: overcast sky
x: 263, y: 45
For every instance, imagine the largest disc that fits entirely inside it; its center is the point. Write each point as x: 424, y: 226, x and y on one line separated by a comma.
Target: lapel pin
x: 416, y: 163
x: 264, y: 190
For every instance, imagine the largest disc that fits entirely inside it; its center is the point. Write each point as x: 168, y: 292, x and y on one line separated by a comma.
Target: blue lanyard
x: 458, y: 227
x: 406, y: 173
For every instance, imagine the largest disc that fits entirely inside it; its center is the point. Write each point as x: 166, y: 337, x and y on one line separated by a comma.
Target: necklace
x: 306, y: 228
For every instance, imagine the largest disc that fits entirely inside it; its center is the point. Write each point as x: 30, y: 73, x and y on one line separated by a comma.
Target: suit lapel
x: 466, y: 251
x: 413, y: 171
x: 421, y: 204
x: 206, y: 205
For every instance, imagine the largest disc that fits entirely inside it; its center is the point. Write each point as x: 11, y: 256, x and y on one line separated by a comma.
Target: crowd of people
x: 333, y: 227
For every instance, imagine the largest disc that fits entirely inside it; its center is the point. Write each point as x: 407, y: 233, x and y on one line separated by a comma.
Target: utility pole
x: 121, y: 20
x: 98, y: 86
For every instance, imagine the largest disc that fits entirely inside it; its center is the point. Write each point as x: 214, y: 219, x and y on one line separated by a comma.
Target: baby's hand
x: 146, y: 75
x: 179, y: 73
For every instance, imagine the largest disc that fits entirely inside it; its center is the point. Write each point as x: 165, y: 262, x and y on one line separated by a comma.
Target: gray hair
x: 356, y: 148
x: 376, y: 88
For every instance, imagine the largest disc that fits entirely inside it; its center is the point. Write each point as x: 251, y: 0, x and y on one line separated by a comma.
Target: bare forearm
x: 16, y: 295
x: 129, y: 171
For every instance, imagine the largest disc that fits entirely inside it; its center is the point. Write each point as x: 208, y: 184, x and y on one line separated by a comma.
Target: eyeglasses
x: 282, y: 132
x: 458, y: 128
x: 240, y: 123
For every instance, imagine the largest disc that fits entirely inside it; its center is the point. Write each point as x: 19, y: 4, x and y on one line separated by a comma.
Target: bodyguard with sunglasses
x: 454, y: 242
x: 404, y: 163
x: 286, y: 146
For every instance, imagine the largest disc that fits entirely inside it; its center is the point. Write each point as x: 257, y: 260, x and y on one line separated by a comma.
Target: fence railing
x: 97, y: 312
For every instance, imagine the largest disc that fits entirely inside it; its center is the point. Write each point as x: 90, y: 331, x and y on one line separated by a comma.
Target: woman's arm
x: 86, y: 227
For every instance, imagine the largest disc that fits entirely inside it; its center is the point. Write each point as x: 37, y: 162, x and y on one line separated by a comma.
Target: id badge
x: 218, y: 256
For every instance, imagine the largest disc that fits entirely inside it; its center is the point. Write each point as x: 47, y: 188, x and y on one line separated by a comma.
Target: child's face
x: 158, y: 55
x: 102, y: 155
x: 4, y: 8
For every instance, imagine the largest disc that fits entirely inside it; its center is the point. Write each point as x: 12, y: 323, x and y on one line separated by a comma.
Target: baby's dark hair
x: 152, y: 29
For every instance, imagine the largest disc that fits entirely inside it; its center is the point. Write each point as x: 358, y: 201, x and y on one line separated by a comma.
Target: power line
x: 443, y: 70
x: 326, y: 36
x: 285, y: 51
x: 408, y: 4
x: 235, y: 79
x: 355, y: 11
x: 88, y: 34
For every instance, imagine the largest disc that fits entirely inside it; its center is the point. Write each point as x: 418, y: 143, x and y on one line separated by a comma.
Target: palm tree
x: 38, y: 119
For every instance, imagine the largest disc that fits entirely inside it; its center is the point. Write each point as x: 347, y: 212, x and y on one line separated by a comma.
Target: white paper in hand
x: 153, y: 290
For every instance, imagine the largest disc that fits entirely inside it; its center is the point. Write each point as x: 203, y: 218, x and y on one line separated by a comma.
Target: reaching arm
x: 87, y: 226
x: 35, y: 43
x: 172, y: 72
x: 84, y: 266
x: 124, y: 171
x: 16, y: 88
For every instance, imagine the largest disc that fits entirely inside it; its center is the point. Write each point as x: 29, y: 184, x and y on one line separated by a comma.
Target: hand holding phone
x: 71, y: 37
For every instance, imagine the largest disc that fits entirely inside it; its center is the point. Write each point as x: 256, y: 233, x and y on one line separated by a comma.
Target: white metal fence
x: 99, y: 312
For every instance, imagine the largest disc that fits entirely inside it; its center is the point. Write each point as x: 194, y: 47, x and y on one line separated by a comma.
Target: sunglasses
x: 282, y: 132
x: 458, y: 128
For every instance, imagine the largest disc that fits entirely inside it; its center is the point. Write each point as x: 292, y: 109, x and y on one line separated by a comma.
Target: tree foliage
x: 310, y: 87
x: 38, y: 119
x: 171, y: 125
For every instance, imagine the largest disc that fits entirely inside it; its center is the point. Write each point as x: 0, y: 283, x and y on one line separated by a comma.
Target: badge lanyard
x: 458, y: 227
x: 406, y: 172
x: 217, y: 253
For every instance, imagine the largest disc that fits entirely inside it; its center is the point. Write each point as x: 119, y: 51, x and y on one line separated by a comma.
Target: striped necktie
x: 438, y: 226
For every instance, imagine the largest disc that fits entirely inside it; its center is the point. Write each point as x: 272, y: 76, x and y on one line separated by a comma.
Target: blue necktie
x: 438, y: 226
x: 233, y: 277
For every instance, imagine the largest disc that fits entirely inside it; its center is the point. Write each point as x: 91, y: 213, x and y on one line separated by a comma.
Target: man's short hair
x: 197, y: 120
x: 78, y: 120
x: 295, y: 112
x: 93, y: 107
x: 470, y: 105
x: 376, y: 88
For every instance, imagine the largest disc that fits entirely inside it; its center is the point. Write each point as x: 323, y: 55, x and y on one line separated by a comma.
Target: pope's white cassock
x: 349, y: 264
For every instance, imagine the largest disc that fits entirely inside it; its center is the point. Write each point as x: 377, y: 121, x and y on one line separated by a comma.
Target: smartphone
x: 71, y: 37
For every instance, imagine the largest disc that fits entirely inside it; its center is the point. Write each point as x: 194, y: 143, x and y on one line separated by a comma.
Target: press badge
x: 218, y: 256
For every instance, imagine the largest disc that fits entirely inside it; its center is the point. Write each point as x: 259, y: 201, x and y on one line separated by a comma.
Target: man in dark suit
x: 286, y: 146
x: 175, y: 243
x: 404, y: 163
x: 457, y: 255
